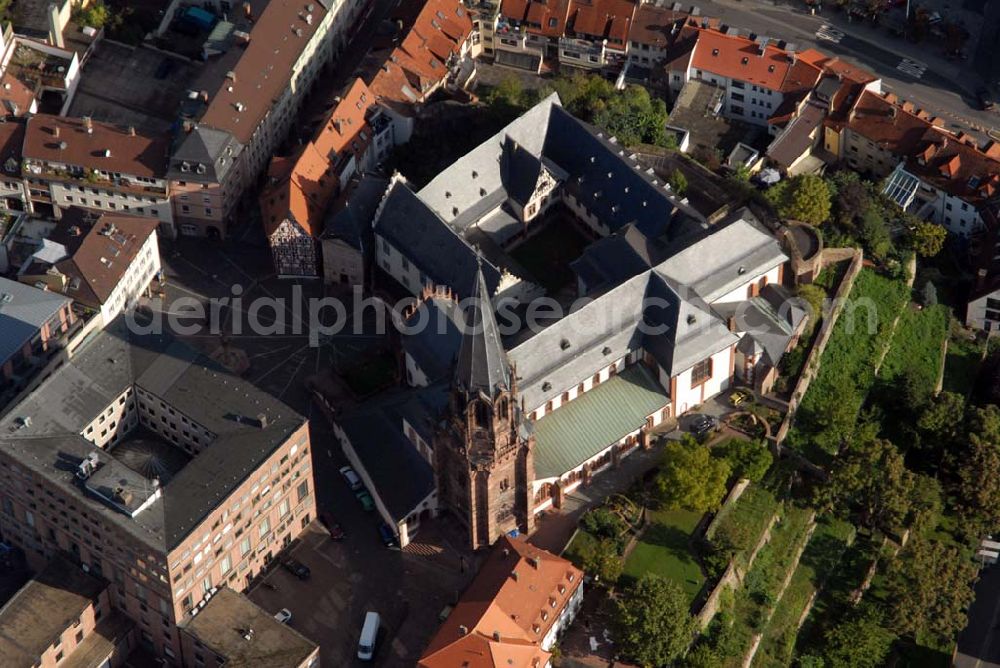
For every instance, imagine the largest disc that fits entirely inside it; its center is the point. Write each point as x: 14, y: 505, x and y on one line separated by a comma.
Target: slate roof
x: 430, y: 244
x: 23, y: 314
x: 616, y: 258
x: 482, y: 363
x: 203, y: 155
x: 434, y: 346
x: 401, y: 476
x: 115, y: 359
x: 578, y: 431
x: 352, y: 221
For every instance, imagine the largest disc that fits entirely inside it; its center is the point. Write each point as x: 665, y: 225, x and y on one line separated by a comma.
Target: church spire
x: 482, y: 363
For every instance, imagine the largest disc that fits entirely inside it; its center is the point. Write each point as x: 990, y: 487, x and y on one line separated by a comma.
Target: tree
x: 851, y: 199
x: 861, y: 641
x: 871, y: 477
x: 978, y: 481
x: 652, y: 625
x: 927, y: 239
x: 631, y: 115
x: 830, y: 413
x: 875, y: 233
x: 746, y: 459
x: 926, y: 504
x: 703, y: 656
x: 603, y: 562
x: 678, y: 182
x: 930, y: 585
x: 815, y: 297
x: 930, y: 294
x: 806, y: 198
x: 94, y: 15
x: 690, y: 477
x: 940, y: 423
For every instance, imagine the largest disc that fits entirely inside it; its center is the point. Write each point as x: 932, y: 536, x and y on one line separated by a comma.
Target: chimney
x: 496, y: 636
x: 88, y: 123
x: 533, y: 561
x: 74, y: 231
x: 513, y: 575
x: 131, y: 131
x: 731, y: 323
x: 55, y: 31
x: 893, y: 111
x: 262, y: 420
x: 463, y: 629
x: 55, y: 131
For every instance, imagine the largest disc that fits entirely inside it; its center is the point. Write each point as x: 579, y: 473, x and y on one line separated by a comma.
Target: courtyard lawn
x: 829, y: 409
x: 665, y: 549
x: 547, y: 253
x: 821, y: 558
x: 916, y: 345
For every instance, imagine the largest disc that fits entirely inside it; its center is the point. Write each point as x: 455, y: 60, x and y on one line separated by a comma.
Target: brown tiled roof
x: 13, y: 90
x: 507, y: 610
x: 421, y: 59
x: 607, y: 19
x: 301, y: 187
x: 262, y: 74
x: 955, y: 167
x: 100, y: 248
x: 541, y: 17
x: 890, y: 126
x: 58, y: 139
x: 652, y: 25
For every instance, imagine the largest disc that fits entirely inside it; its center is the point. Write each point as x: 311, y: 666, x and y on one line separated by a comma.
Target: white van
x: 369, y: 633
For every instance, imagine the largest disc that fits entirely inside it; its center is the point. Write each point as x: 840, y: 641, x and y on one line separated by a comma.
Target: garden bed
x: 916, y: 346
x: 830, y: 407
x: 819, y: 561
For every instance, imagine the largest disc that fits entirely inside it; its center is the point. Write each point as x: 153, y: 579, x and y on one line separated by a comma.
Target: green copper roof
x: 579, y: 430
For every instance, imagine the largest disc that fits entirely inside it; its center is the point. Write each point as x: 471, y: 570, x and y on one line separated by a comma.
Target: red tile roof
x: 300, y: 187
x: 739, y: 58
x: 602, y: 19
x: 420, y: 62
x: 542, y: 17
x: 653, y: 25
x: 955, y: 167
x: 890, y: 126
x: 505, y: 613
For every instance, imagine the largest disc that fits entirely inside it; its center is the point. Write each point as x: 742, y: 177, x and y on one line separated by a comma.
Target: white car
x: 283, y: 616
x: 351, y: 477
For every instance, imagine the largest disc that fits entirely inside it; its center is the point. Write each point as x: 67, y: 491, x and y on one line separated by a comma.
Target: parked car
x: 296, y: 568
x: 739, y: 397
x: 387, y: 534
x: 336, y: 531
x: 366, y: 499
x: 369, y: 636
x: 351, y: 477
x: 702, y: 425
x: 284, y: 615
x: 985, y: 98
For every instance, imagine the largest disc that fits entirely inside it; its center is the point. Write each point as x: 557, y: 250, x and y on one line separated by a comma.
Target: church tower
x: 483, y: 446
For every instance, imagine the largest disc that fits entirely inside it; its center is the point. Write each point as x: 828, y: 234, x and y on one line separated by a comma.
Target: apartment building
x: 79, y: 162
x: 63, y: 617
x: 301, y: 187
x: 13, y: 188
x: 152, y: 467
x: 232, y: 631
x: 512, y: 613
x: 232, y: 130
x: 104, y: 262
x: 33, y: 323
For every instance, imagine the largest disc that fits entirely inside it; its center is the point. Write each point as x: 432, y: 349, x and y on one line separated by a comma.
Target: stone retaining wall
x: 811, y: 366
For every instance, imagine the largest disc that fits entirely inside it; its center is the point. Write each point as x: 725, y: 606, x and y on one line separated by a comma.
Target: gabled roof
x: 350, y: 219
x: 105, y: 147
x: 482, y: 365
x: 99, y: 251
x: 506, y: 611
x: 892, y: 126
x: 740, y: 58
x: 23, y: 311
x: 260, y: 77
x: 300, y: 188
x: 543, y: 17
x: 407, y: 223
x: 602, y: 19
